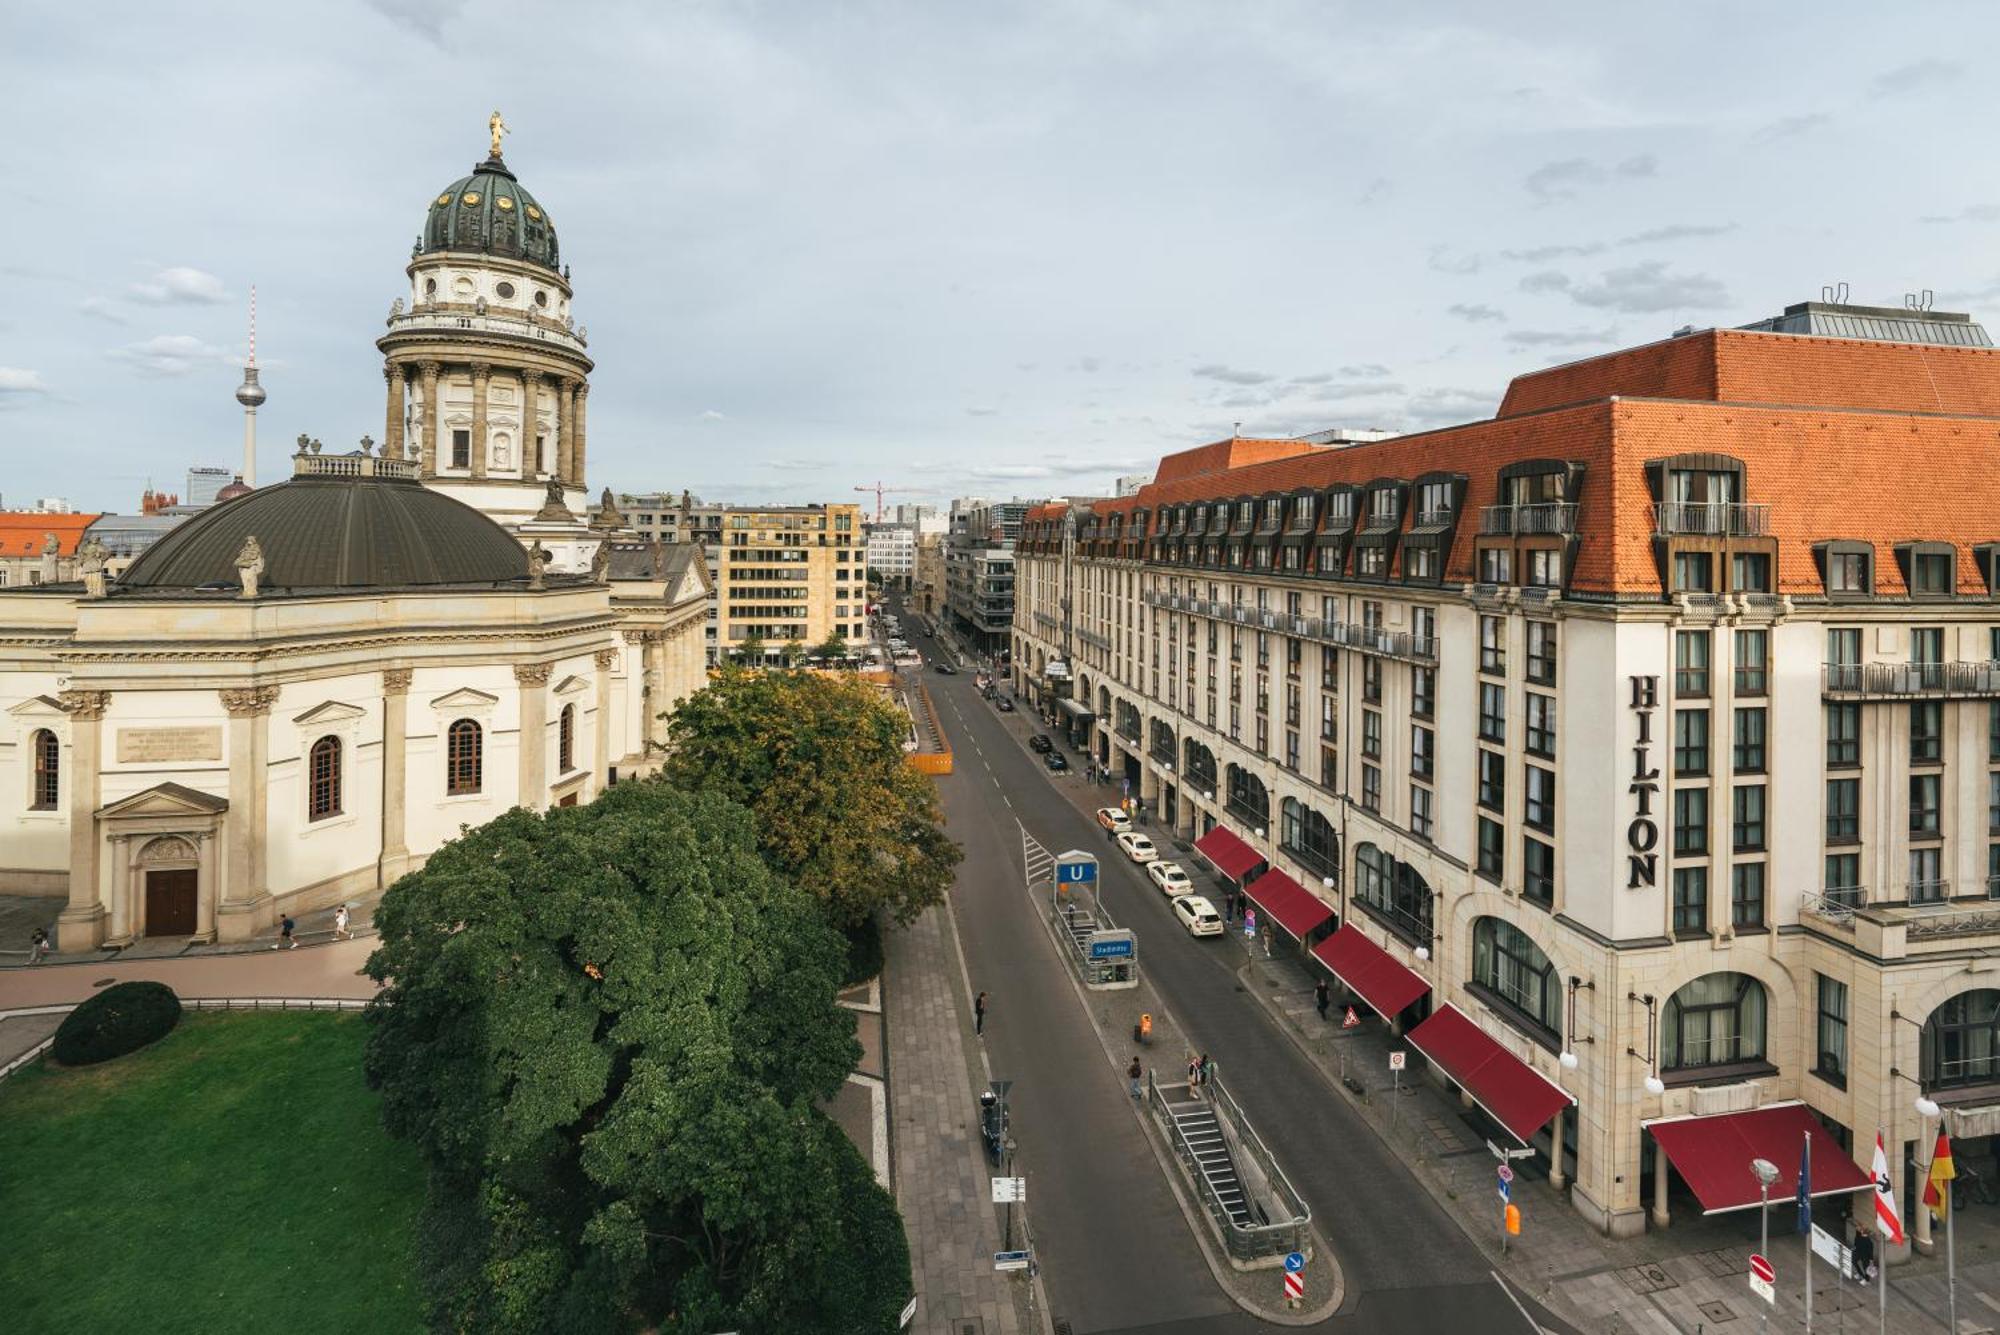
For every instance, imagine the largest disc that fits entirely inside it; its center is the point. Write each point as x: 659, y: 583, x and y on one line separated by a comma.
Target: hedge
x: 122, y: 1018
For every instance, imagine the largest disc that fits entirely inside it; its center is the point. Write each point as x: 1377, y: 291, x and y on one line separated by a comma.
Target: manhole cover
x: 1722, y: 1263
x: 1716, y: 1312
x: 1644, y: 1279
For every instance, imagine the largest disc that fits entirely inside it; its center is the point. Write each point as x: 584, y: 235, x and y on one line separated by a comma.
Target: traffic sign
x: 1006, y: 1189
x: 1764, y: 1289
x: 1295, y: 1286
x: 1506, y: 1172
x: 1762, y: 1269
x: 1076, y: 867
x: 1506, y: 1192
x: 1352, y: 1021
x: 1295, y: 1261
x: 1396, y: 1060
x: 1010, y: 1260
x: 1498, y: 1153
x: 1111, y: 944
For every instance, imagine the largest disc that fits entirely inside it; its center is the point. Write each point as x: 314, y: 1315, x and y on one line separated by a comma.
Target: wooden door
x: 170, y: 902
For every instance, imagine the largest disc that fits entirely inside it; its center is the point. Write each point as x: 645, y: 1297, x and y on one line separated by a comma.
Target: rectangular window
x: 1420, y: 811
x: 1691, y: 821
x: 1750, y: 572
x: 1993, y: 732
x: 1371, y: 788
x: 1542, y: 652
x: 1422, y: 562
x: 1847, y: 572
x: 1493, y: 781
x: 1693, y: 573
x: 1843, y: 646
x: 1927, y: 644
x: 1545, y: 569
x: 1291, y: 749
x: 1423, y: 691
x: 1493, y: 644
x: 1746, y: 826
x: 1492, y: 711
x: 1691, y: 899
x: 1746, y: 895
x: 1541, y: 739
x: 1691, y: 662
x: 1371, y: 562
x: 1924, y: 803
x: 1329, y: 669
x: 461, y: 449
x: 1540, y: 811
x: 1831, y: 1042
x: 1926, y: 880
x: 1843, y: 810
x: 1538, y: 871
x: 1371, y: 681
x: 1690, y: 741
x: 1748, y: 754
x: 1752, y: 661
x: 1843, y: 736
x: 1926, y: 733
x: 1493, y: 849
x: 1931, y: 573
x: 1496, y: 565
x: 1371, y: 734
x: 1423, y: 751
x: 1843, y: 878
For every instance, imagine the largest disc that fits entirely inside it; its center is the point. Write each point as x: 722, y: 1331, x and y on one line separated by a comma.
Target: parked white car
x: 1114, y: 820
x: 1171, y: 879
x: 1138, y: 847
x: 1198, y: 916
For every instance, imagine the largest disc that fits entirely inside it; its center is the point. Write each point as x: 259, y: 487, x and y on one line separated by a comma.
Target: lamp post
x: 1767, y: 1173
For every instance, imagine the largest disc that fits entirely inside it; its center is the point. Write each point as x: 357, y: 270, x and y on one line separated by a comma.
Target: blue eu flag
x: 1805, y: 1186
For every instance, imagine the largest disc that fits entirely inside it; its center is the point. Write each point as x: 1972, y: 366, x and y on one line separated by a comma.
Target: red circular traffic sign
x: 1762, y: 1268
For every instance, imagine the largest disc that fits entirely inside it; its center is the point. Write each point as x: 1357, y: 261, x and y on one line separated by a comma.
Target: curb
x: 187, y: 1003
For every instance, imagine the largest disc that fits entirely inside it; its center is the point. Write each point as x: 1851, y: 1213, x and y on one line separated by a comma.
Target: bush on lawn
x: 122, y: 1018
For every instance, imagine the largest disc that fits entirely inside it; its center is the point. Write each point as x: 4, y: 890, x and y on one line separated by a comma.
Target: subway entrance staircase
x: 1195, y: 1127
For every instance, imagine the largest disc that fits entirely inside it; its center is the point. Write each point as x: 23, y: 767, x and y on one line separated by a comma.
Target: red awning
x: 1296, y: 909
x: 1378, y: 976
x: 1713, y: 1155
x: 1227, y: 853
x: 1513, y: 1093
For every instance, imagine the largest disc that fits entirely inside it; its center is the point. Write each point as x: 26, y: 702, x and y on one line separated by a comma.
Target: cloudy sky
x: 1004, y: 248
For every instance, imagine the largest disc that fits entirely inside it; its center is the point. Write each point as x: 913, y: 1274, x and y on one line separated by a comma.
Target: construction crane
x: 879, y: 488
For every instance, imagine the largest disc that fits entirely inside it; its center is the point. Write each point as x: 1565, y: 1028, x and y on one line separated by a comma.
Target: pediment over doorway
x: 329, y: 711
x: 465, y: 698
x: 165, y: 799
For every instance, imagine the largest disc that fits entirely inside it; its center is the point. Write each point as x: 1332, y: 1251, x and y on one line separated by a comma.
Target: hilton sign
x: 1642, y: 836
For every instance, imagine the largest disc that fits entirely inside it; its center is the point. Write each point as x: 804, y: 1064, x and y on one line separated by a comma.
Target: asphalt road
x: 1115, y: 1251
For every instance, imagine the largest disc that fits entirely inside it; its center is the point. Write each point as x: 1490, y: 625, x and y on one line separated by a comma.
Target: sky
x: 1000, y: 249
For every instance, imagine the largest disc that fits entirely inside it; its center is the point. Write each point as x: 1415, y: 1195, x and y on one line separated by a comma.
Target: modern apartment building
x: 784, y: 573
x: 979, y: 569
x: 1636, y: 752
x: 892, y: 552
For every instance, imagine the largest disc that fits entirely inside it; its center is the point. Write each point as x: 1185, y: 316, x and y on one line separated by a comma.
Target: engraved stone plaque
x: 145, y: 745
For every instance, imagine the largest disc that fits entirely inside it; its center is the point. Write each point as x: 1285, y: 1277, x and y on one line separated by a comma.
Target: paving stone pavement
x: 941, y: 1173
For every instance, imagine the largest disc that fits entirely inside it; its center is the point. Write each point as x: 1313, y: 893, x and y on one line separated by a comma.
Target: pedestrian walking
x: 38, y: 945
x: 1265, y: 935
x: 1322, y: 997
x: 979, y: 1015
x: 285, y: 937
x: 1134, y: 1073
x: 1862, y: 1254
x: 1207, y: 1069
x: 340, y: 920
x: 1194, y: 1077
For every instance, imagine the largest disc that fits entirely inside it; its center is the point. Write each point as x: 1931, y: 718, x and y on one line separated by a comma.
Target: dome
x: 489, y: 212
x: 335, y: 533
x: 231, y: 490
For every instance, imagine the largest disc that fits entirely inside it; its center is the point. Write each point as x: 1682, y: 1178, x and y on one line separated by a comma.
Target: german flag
x: 1937, y: 1191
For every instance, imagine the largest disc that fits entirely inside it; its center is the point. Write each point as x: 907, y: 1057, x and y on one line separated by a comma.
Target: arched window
x: 323, y: 779
x: 1200, y: 764
x: 1395, y: 891
x: 1513, y: 969
x: 1247, y: 799
x: 566, y: 740
x: 462, y: 758
x: 1961, y: 1042
x: 46, y: 788
x: 1713, y: 1021
x: 1309, y: 837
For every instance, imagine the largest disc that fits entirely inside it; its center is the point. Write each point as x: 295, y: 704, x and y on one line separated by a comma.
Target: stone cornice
x: 604, y: 658
x: 248, y: 701
x: 85, y: 706
x: 532, y: 674
x: 396, y: 681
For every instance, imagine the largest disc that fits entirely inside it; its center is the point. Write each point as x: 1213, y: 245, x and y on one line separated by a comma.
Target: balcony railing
x: 1929, y: 892
x: 1934, y: 920
x: 1541, y: 517
x: 1094, y: 640
x: 1710, y: 519
x: 491, y: 323
x: 1388, y: 643
x: 1434, y: 518
x: 1905, y: 680
x: 1837, y: 905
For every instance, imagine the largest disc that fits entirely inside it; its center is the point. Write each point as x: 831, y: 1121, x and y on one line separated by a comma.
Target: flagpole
x: 1805, y: 1217
x: 1950, y: 1255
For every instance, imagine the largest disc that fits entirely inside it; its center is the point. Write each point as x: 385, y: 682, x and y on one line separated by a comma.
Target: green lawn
x: 232, y: 1177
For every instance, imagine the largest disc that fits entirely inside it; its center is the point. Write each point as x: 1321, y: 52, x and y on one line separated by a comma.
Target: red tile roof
x: 1223, y: 455
x: 22, y: 533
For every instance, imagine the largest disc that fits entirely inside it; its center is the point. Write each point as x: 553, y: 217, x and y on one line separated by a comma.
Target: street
x: 1115, y: 1250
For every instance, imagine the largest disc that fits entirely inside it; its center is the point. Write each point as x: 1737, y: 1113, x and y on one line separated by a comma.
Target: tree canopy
x: 608, y: 1029
x: 819, y: 759
x: 833, y: 647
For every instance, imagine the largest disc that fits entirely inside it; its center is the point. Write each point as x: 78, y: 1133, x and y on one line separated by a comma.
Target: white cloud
x: 1676, y: 232
x: 1231, y: 376
x: 1912, y: 77
x: 1982, y: 213
x: 796, y: 465
x: 173, y: 355
x: 426, y: 18
x: 1787, y: 127
x: 1444, y: 259
x: 1356, y: 390
x: 710, y: 415
x: 180, y: 286
x: 1446, y: 407
x: 1543, y: 254
x: 982, y: 412
x: 1562, y: 179
x: 1647, y: 288
x: 1475, y: 312
x: 1561, y: 338
x: 97, y: 308
x: 18, y: 380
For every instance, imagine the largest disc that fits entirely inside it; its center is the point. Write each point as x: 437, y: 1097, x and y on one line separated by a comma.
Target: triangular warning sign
x: 1352, y: 1020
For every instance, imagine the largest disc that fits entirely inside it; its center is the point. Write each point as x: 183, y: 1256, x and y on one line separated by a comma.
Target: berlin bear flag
x: 1887, y: 1222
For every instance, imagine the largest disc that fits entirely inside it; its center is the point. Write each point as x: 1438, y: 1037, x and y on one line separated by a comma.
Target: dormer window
x: 1433, y: 503
x: 1930, y: 569
x: 1340, y: 507
x: 1381, y: 506
x: 1847, y: 569
x: 1302, y: 513
x: 1274, y: 511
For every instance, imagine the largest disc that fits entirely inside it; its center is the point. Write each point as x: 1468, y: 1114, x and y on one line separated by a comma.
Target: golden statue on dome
x: 496, y: 127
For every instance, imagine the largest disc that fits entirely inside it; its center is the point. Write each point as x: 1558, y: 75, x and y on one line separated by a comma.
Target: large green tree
x: 609, y: 1029
x: 820, y: 760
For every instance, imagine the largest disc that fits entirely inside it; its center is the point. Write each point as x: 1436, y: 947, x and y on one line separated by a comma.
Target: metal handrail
x: 1837, y: 905
x: 487, y: 324
x: 1245, y: 1242
x: 1911, y: 679
x: 1730, y: 519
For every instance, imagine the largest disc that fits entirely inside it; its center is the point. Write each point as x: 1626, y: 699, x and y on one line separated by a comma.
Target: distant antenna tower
x: 250, y: 394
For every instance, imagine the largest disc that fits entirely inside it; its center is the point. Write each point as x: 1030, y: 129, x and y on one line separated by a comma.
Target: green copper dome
x: 489, y: 212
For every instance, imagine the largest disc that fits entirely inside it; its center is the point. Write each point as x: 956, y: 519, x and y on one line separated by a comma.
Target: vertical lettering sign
x: 1642, y: 836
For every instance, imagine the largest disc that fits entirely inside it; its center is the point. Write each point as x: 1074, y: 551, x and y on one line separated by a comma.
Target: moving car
x: 1040, y: 742
x: 1198, y: 916
x: 1138, y: 847
x: 1004, y: 705
x: 1055, y: 761
x: 945, y: 668
x: 1114, y: 820
x: 1171, y: 878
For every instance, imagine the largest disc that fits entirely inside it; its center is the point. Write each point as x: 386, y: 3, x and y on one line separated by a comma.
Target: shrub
x: 122, y: 1018
x: 864, y: 952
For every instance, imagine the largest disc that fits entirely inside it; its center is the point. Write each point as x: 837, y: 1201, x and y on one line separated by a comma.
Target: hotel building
x: 1636, y: 752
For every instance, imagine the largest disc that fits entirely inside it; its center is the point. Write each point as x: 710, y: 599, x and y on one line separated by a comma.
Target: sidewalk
x: 20, y: 915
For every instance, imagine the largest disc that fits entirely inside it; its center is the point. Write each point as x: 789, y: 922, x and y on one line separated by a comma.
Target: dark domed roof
x: 335, y: 533
x: 488, y: 211
x: 231, y: 490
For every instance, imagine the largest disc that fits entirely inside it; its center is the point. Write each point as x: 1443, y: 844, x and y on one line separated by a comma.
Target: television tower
x: 250, y: 394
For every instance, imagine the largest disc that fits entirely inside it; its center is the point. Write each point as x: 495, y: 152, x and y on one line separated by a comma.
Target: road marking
x: 1516, y: 1301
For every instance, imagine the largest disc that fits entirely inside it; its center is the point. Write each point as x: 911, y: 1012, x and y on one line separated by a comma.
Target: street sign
x: 1076, y: 867
x: 1295, y: 1261
x: 1396, y: 1060
x: 1506, y: 1192
x: 1763, y: 1289
x: 1010, y: 1260
x: 1506, y: 1172
x: 1504, y: 1155
x: 1000, y: 1087
x: 1112, y: 945
x: 1352, y: 1021
x: 1007, y: 1189
x: 1827, y: 1248
x: 1762, y: 1269
x: 1295, y: 1286
x: 909, y: 1311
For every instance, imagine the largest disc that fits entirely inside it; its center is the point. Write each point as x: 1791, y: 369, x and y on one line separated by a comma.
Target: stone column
x: 392, y: 430
x: 604, y: 659
x: 531, y: 426
x: 1557, y: 1178
x: 80, y: 926
x: 565, y: 431
x: 395, y: 776
x: 534, y: 681
x: 431, y: 416
x: 480, y: 373
x: 578, y: 449
x: 245, y: 900
x: 1660, y: 1216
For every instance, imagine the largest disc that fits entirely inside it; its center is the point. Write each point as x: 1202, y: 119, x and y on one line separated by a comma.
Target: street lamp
x: 1654, y: 1085
x: 1767, y: 1173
